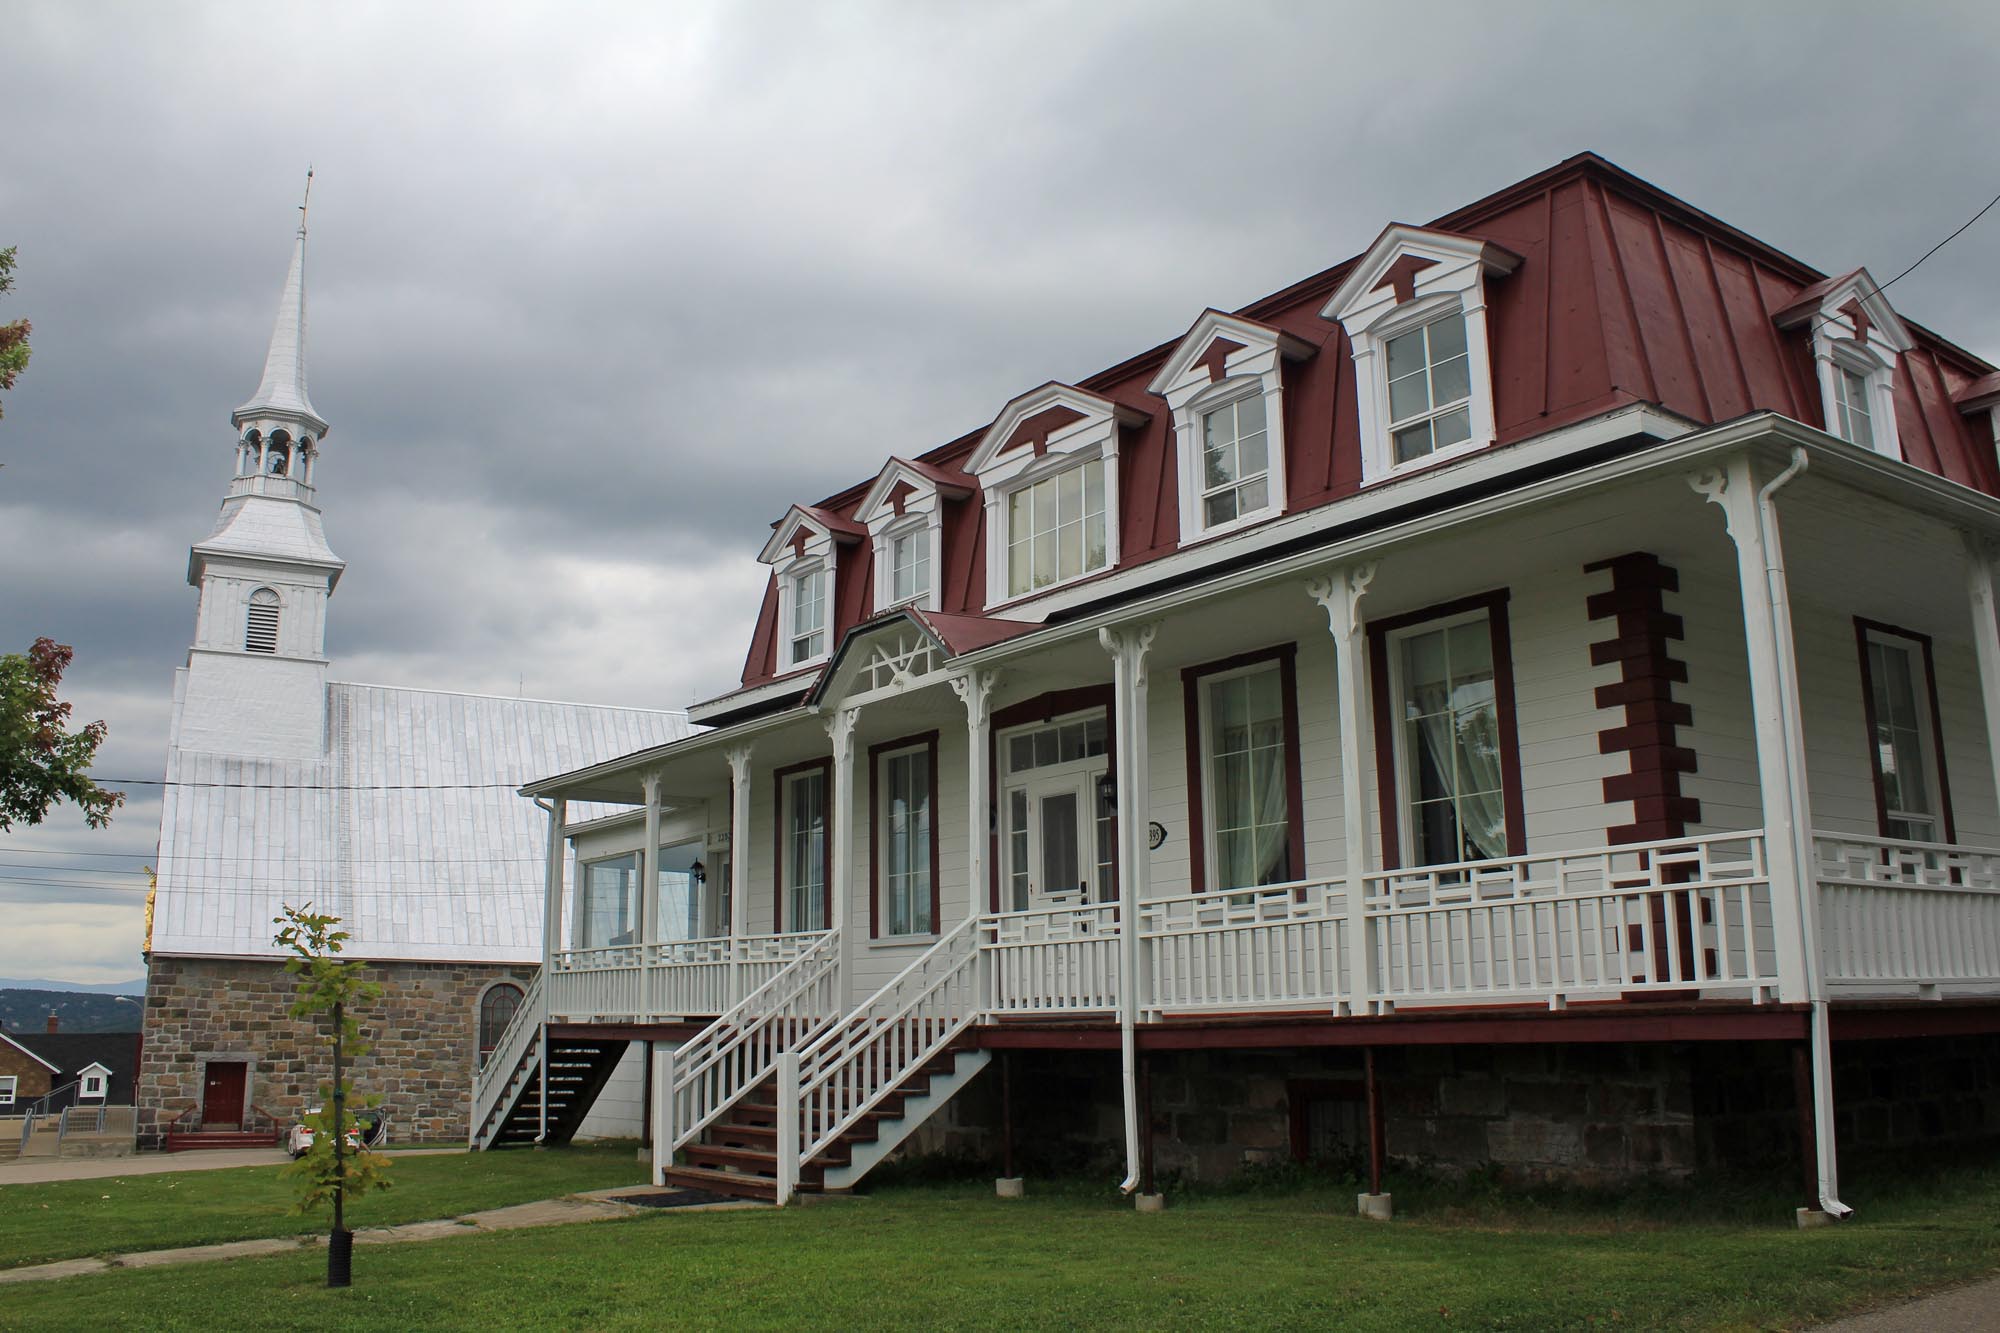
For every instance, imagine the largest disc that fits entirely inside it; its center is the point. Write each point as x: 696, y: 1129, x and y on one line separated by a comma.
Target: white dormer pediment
x: 1222, y: 347
x: 1853, y: 309
x: 1407, y: 264
x: 1054, y: 419
x: 805, y: 532
x: 1857, y: 339
x: 904, y: 488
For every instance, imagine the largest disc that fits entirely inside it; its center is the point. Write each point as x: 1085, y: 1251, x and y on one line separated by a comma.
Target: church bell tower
x: 255, y: 682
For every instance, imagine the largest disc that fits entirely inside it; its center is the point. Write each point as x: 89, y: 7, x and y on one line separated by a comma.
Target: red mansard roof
x: 1624, y: 295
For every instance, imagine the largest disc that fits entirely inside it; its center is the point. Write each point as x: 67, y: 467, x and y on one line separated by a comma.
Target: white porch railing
x: 740, y: 1048
x: 1056, y: 960
x: 845, y: 1071
x: 648, y: 982
x: 1276, y: 947
x: 1899, y: 914
x: 1690, y: 912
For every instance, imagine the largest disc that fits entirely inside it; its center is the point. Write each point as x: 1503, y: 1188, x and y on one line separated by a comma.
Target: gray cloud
x: 597, y: 292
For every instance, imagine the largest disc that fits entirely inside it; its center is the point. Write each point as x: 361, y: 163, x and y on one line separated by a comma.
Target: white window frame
x: 635, y: 905
x: 1255, y: 366
x: 789, y: 578
x: 1406, y: 822
x: 95, y: 1084
x: 1365, y: 305
x: 1003, y: 472
x: 928, y: 528
x: 1211, y: 836
x: 884, y: 832
x: 9, y: 1086
x: 1000, y: 533
x: 1835, y: 356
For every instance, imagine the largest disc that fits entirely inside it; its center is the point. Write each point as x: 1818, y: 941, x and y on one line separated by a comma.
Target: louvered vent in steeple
x: 260, y: 635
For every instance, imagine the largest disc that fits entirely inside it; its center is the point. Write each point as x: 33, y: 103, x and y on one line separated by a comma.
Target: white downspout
x: 1777, y: 590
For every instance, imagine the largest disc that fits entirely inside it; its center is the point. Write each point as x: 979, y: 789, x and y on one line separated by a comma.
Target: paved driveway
x: 1973, y: 1309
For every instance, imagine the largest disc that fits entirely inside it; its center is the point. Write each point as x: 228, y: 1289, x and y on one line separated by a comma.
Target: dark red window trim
x: 928, y: 740
x: 1042, y: 708
x: 1388, y: 789
x: 780, y: 777
x: 1861, y: 630
x: 1286, y: 656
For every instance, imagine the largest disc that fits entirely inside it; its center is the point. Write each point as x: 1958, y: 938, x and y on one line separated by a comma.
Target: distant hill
x: 137, y: 986
x: 28, y: 1010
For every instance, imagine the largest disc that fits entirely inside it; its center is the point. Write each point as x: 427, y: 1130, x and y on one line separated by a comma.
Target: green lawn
x: 70, y: 1219
x: 953, y: 1257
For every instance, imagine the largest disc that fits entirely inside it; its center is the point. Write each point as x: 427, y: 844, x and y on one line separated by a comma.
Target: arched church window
x: 260, y: 634
x: 496, y: 1010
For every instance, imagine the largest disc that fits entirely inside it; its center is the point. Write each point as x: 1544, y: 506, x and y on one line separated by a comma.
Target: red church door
x: 222, y: 1093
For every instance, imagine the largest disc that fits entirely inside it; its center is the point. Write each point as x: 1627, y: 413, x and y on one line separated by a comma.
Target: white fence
x: 1680, y: 914
x: 1900, y: 914
x: 648, y: 982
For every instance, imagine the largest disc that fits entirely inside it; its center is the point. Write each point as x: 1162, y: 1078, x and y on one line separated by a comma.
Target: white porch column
x: 840, y: 834
x: 663, y: 1109
x: 975, y: 691
x: 552, y: 914
x: 649, y: 866
x: 1128, y: 646
x: 1339, y: 593
x: 1751, y: 515
x: 1982, y: 588
x: 739, y: 865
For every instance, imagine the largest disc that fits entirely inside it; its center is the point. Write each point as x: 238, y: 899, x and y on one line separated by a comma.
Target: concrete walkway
x: 1973, y: 1309
x: 42, y: 1170
x: 594, y: 1206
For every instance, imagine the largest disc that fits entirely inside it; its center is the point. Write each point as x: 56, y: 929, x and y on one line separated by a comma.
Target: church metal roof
x: 409, y: 828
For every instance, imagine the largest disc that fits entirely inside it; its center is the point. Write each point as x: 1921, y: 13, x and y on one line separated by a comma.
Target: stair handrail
x: 715, y: 1068
x: 491, y: 1080
x: 847, y: 1070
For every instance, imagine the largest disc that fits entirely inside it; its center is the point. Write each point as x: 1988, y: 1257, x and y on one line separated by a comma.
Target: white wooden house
x: 1570, y: 624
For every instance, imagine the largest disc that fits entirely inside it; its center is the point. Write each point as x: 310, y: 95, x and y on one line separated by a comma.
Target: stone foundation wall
x: 423, y: 1031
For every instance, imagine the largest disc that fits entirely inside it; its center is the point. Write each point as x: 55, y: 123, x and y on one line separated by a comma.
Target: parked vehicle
x: 374, y: 1131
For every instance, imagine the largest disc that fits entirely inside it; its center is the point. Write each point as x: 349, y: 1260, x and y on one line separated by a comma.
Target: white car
x: 299, y: 1141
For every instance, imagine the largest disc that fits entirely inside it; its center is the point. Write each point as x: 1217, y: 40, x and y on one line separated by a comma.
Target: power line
x: 315, y: 786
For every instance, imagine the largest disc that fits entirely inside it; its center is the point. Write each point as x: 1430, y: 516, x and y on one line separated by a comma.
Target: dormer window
x: 808, y: 620
x: 903, y: 512
x: 1225, y: 384
x: 1056, y: 528
x: 1430, y: 389
x: 1414, y: 308
x: 1235, y: 461
x: 1856, y: 342
x: 803, y: 555
x: 909, y: 570
x: 1851, y: 400
x: 1049, y: 469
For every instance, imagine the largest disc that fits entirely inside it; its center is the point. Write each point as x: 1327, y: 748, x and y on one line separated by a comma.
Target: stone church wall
x: 423, y: 1030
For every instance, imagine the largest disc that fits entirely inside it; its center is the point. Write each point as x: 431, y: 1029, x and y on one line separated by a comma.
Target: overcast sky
x: 596, y: 291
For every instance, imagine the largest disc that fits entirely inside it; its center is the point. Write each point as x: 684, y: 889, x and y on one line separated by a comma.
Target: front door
x: 1051, y: 845
x: 222, y: 1092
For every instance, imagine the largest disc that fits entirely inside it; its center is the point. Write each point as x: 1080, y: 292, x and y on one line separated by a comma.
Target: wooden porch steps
x: 579, y: 1068
x: 188, y: 1140
x: 737, y: 1156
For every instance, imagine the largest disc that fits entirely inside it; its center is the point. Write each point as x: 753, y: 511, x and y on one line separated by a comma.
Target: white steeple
x: 256, y: 675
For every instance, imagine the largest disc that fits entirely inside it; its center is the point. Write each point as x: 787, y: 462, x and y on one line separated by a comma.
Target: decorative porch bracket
x: 1129, y: 646
x: 1339, y: 592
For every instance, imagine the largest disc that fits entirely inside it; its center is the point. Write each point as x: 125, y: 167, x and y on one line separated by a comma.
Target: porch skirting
x: 1582, y: 1114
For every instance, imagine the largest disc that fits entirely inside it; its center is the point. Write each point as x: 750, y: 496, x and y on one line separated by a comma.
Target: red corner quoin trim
x: 1645, y: 689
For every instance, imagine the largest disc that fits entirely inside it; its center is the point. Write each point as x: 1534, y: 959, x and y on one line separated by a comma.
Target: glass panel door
x: 1050, y: 848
